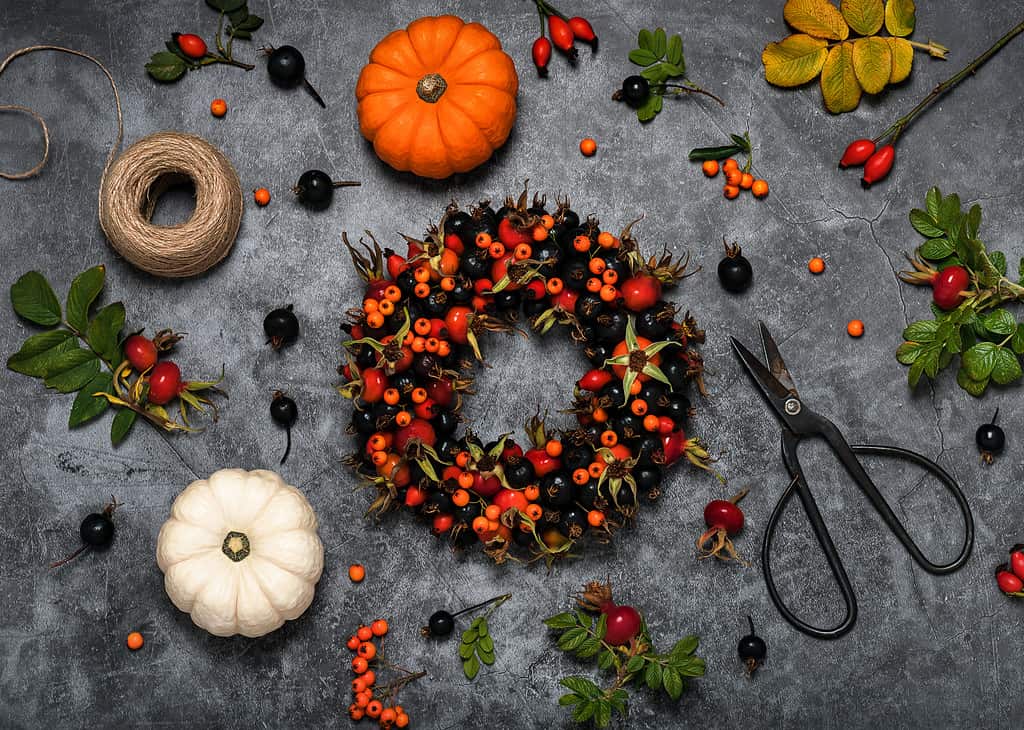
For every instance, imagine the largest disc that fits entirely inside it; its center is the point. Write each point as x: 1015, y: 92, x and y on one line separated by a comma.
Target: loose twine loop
x: 131, y: 185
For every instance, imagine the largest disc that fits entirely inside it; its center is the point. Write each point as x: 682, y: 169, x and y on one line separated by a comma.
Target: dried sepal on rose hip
x: 724, y: 519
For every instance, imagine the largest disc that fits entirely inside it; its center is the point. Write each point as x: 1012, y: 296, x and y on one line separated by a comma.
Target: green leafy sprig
x: 171, y: 65
x: 987, y: 338
x: 739, y: 145
x: 663, y: 62
x: 98, y: 372
x: 637, y: 662
x: 477, y: 646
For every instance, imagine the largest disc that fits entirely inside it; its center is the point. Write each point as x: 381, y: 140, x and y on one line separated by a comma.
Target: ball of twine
x: 136, y: 179
x: 131, y: 185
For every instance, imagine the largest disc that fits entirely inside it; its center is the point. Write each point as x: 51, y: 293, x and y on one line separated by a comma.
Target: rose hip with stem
x: 724, y: 519
x: 856, y: 153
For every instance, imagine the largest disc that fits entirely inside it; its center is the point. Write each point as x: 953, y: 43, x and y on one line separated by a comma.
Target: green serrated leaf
x: 974, y: 387
x: 933, y: 201
x: 660, y: 42
x: 84, y: 290
x: 925, y: 224
x: 237, y: 16
x: 642, y: 57
x: 923, y: 330
x: 104, y: 332
x: 561, y: 621
x: 33, y: 298
x: 251, y: 23
x: 241, y: 34
x: 71, y: 370
x: 471, y: 667
x: 917, y: 369
x: 581, y: 686
x: 685, y: 646
x: 166, y: 67
x: 584, y: 711
x: 88, y: 406
x: 1006, y: 368
x: 37, y: 354
x: 672, y: 682
x: 572, y: 639
x: 936, y: 249
x: 691, y: 667
x: 589, y: 648
x: 656, y: 74
x: 635, y: 664
x: 908, y: 352
x: 999, y: 322
x: 899, y: 17
x: 1017, y: 341
x: 972, y: 221
x: 949, y: 212
x: 998, y: 259
x: 653, y: 676
x: 606, y: 660
x: 980, y: 359
x: 584, y: 619
x: 603, y: 714
x: 569, y: 699
x: 121, y: 425
x: 674, y: 54
x: 602, y: 626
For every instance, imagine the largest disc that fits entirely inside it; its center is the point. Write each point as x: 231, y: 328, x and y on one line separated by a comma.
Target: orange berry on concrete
x: 731, y: 192
x: 356, y: 573
x: 710, y: 167
x: 261, y: 196
x: 135, y: 641
x: 746, y: 180
x: 759, y: 188
x: 588, y: 146
x: 855, y: 328
x: 816, y: 265
x: 218, y: 107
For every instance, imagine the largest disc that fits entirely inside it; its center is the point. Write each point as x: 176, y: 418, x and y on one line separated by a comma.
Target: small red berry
x: 878, y: 165
x: 948, y: 285
x: 164, y: 383
x: 1008, y: 582
x: 857, y: 153
x: 1017, y: 562
x: 541, y: 54
x: 191, y: 45
x: 562, y: 36
x: 140, y: 352
x: 582, y: 29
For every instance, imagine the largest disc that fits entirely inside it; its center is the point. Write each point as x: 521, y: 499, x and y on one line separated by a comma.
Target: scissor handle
x: 847, y: 455
x: 799, y: 486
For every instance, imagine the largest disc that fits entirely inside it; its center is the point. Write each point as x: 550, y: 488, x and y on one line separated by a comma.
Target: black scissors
x: 800, y: 422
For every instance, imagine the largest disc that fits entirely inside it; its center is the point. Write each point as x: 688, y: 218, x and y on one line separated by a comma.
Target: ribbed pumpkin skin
x: 471, y: 118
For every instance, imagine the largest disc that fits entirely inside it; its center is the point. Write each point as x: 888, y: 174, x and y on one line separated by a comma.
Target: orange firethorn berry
x: 710, y: 167
x: 261, y: 196
x: 580, y: 476
x: 548, y: 221
x: 554, y: 285
x: 218, y: 107
x: 374, y: 320
x: 581, y: 243
x: 588, y: 146
x: 432, y: 344
x: 733, y: 177
x: 610, y: 276
x: 363, y: 699
x: 379, y: 458
x: 391, y: 396
x: 461, y: 497
x: 600, y: 415
x: 356, y: 573
x: 360, y: 665
x: 597, y: 468
x: 534, y: 511
x: 387, y: 716
x: 595, y: 518
x: 461, y: 459
x: 374, y: 709
x: 370, y: 305
x: 367, y: 650
x: 447, y: 283
x: 746, y: 180
x: 855, y: 328
x: 369, y: 677
x: 609, y: 438
x: 418, y: 344
x: 392, y: 293
x: 539, y: 233
x: 135, y: 641
x: 522, y: 252
x: 418, y: 395
x: 421, y: 290
x: 636, y: 387
x: 759, y: 188
x: 402, y: 720
x: 651, y: 422
x: 403, y: 418
x: 638, y: 407
x: 493, y: 512
x: 496, y: 250
x: 466, y: 480
x: 480, y: 525
x: 364, y: 633
x: 483, y: 239
x: 386, y: 307
x: 731, y: 192
x: 353, y: 644
x: 356, y: 713
x: 379, y: 627
x: 594, y: 285
x: 730, y: 164
x: 609, y: 293
x: 553, y: 448
x: 443, y: 348
x: 605, y: 239
x: 597, y: 266
x: 816, y: 265
x: 421, y: 274
x: 421, y: 326
x: 532, y: 493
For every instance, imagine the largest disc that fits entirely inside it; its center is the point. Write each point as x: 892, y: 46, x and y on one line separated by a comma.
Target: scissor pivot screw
x: 792, y: 406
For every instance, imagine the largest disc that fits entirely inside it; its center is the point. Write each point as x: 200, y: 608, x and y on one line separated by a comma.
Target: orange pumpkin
x: 437, y: 97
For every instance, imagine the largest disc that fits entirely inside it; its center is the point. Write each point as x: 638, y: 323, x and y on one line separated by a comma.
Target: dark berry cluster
x: 412, y: 350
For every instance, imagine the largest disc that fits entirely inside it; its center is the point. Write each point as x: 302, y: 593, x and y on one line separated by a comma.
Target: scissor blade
x: 775, y: 391
x: 776, y: 364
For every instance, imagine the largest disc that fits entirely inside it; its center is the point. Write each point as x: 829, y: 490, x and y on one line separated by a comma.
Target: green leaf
x: 660, y: 42
x: 569, y: 699
x: 653, y: 676
x: 486, y: 644
x: 925, y: 224
x: 37, y: 354
x: 972, y: 221
x: 226, y: 6
x: 84, y: 290
x: 980, y: 359
x: 71, y: 370
x: 656, y: 74
x: 635, y: 664
x: 466, y: 650
x: 470, y: 635
x: 699, y: 154
x: 674, y: 54
x: 166, y: 67
x: 239, y: 15
x: 921, y: 331
x: 917, y: 369
x: 104, y: 332
x: 794, y: 60
x: 88, y: 406
x: 1017, y: 341
x: 974, y: 387
x: 872, y: 62
x: 572, y: 639
x: 742, y: 142
x: 602, y: 626
x: 174, y: 48
x: 685, y: 646
x: 561, y: 621
x: 581, y: 686
x: 672, y: 682
x: 998, y: 259
x: 606, y: 660
x: 487, y: 657
x: 864, y: 16
x: 645, y: 39
x: 642, y: 57
x: 691, y: 667
x: 589, y: 648
x: 471, y: 667
x: 908, y: 352
x: 839, y: 85
x: 251, y: 23
x: 584, y: 711
x: 603, y: 714
x: 33, y: 299
x: 949, y: 212
x: 933, y: 201
x: 650, y: 108
x: 936, y: 249
x: 584, y: 619
x: 121, y: 425
x: 1006, y: 368
x: 672, y: 70
x: 242, y: 34
x: 999, y: 322
x: 899, y: 17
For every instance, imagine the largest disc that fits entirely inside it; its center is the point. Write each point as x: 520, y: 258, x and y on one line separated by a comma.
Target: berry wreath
x: 412, y: 349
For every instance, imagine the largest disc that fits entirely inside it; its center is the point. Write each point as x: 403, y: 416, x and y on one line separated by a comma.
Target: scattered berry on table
x: 135, y: 641
x: 855, y: 328
x: 261, y: 196
x: 218, y: 107
x: 588, y: 146
x: 816, y: 265
x: 710, y: 167
x: 356, y: 573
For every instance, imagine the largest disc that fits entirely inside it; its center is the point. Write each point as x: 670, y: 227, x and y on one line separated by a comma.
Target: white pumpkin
x: 240, y: 552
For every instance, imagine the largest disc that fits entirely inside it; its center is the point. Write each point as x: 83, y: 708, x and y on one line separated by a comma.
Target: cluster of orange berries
x: 364, y: 704
x: 736, y: 179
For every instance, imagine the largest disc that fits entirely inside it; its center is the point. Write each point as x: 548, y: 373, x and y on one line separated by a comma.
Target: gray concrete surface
x: 927, y: 651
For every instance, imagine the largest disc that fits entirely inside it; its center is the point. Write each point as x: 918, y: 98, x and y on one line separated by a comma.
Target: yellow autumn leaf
x: 818, y: 18
x: 902, y: 59
x: 794, y: 60
x: 864, y: 16
x: 899, y: 17
x: 872, y: 63
x: 839, y: 85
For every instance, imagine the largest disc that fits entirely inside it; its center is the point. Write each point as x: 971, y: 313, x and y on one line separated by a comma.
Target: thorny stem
x: 900, y: 124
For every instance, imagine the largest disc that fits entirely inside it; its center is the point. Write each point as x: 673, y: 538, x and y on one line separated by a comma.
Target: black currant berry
x: 752, y: 649
x: 734, y: 271
x: 635, y: 90
x: 441, y: 623
x: 990, y: 439
x: 316, y: 189
x: 287, y: 67
x: 281, y: 327
x: 284, y: 413
x: 96, y: 532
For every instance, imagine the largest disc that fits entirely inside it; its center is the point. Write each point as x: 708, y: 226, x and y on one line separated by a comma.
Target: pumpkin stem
x: 236, y: 546
x: 431, y: 87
